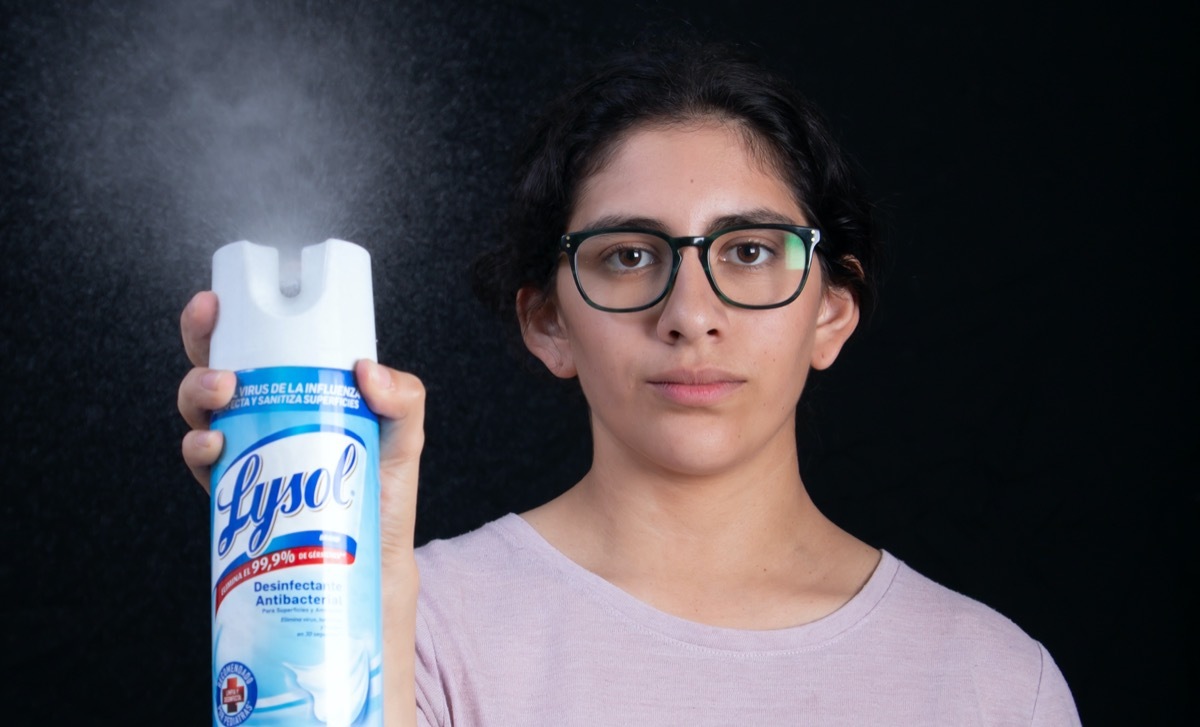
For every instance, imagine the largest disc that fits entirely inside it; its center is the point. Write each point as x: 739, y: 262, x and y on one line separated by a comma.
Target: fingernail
x: 209, y: 380
x: 380, y: 376
x: 204, y: 439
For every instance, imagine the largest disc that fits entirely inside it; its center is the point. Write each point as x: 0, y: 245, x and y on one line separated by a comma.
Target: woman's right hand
x: 399, y: 401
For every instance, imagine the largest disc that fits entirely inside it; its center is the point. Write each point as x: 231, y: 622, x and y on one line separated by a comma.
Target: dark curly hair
x: 682, y: 82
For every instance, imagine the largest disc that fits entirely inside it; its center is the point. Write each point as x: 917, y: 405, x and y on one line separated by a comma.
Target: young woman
x: 688, y: 242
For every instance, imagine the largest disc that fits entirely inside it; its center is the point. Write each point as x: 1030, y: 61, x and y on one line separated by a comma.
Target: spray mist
x: 296, y: 622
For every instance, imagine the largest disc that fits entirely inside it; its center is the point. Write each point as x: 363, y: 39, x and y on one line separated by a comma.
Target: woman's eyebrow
x: 761, y: 216
x: 609, y: 221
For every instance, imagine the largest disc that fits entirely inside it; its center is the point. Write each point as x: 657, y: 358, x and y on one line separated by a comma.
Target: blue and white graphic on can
x: 236, y: 694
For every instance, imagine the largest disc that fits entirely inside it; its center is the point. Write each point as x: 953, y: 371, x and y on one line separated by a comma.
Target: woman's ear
x: 836, y: 320
x: 544, y: 332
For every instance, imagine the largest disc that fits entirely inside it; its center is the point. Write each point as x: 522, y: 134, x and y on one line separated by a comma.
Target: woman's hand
x: 203, y: 390
x: 399, y: 400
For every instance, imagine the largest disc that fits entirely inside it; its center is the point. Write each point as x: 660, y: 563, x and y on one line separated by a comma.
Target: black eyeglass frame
x: 570, y: 242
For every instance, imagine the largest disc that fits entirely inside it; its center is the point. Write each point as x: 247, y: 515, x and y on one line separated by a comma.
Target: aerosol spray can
x: 296, y: 622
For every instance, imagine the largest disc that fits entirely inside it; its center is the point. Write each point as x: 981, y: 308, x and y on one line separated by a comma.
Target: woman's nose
x: 692, y: 309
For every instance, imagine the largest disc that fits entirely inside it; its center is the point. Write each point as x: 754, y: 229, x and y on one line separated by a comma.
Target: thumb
x: 399, y: 400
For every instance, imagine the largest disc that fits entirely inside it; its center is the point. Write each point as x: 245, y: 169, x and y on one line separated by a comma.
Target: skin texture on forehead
x: 762, y: 154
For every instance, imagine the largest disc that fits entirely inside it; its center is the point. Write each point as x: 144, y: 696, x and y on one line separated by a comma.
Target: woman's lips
x: 695, y: 388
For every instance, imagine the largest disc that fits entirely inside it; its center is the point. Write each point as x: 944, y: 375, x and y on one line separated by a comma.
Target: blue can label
x: 295, y: 553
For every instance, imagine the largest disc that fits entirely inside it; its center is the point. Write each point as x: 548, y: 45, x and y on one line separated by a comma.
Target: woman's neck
x: 743, y: 547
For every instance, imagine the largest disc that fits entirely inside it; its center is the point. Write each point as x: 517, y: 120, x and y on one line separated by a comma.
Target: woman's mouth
x: 695, y: 388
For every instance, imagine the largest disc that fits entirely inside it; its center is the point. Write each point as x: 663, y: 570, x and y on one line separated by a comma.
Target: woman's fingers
x: 201, y: 448
x: 202, y: 392
x: 196, y: 324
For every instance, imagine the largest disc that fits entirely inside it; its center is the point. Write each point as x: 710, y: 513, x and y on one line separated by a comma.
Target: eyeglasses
x: 627, y: 269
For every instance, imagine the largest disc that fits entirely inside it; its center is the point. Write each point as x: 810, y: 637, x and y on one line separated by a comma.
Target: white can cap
x: 330, y: 323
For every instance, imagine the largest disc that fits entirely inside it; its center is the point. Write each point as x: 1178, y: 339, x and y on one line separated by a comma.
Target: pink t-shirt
x: 511, y: 632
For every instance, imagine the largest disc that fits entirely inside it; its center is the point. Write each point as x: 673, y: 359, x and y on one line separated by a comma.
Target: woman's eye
x: 748, y: 253
x: 630, y: 258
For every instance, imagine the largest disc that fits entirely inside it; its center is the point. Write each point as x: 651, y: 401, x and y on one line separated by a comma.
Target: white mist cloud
x: 239, y: 120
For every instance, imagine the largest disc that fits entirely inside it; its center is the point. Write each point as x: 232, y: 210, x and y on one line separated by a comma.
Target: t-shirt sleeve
x: 1055, y: 707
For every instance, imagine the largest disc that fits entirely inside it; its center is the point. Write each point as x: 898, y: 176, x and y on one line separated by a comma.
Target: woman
x: 687, y: 241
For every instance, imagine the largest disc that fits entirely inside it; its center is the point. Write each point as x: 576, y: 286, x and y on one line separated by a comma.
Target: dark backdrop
x: 1015, y: 421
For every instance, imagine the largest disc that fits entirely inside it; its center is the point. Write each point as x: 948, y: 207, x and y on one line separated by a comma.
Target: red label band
x: 278, y: 560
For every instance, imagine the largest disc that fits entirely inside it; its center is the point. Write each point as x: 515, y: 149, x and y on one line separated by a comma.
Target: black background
x: 1015, y: 421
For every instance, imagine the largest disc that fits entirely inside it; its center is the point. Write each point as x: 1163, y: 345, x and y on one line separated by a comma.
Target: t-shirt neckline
x: 643, y: 616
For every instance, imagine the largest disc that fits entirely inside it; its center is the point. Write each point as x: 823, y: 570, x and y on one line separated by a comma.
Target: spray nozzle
x: 289, y: 270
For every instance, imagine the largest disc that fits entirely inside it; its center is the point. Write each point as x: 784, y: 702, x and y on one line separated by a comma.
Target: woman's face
x: 691, y: 386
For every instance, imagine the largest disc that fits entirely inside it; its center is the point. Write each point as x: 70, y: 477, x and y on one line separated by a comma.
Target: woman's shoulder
x: 941, y: 610
x: 481, y: 549
x: 939, y: 629
x: 491, y: 558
